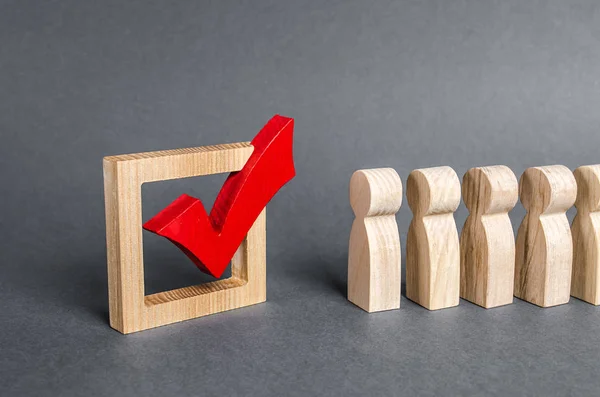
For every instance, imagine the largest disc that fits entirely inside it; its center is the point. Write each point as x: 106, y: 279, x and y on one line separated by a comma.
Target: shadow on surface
x: 321, y: 273
x: 74, y: 284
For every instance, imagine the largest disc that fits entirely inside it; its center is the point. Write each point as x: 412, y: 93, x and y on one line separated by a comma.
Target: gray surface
x: 405, y: 84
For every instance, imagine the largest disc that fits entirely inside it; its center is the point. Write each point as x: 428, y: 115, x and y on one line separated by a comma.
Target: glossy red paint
x: 210, y: 241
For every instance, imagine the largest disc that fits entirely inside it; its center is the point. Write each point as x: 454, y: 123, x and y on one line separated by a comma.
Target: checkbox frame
x: 130, y: 310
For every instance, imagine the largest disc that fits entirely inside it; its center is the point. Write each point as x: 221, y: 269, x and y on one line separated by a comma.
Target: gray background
x: 406, y: 84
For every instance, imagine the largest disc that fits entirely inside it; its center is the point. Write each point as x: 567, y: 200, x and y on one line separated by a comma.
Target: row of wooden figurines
x: 549, y: 262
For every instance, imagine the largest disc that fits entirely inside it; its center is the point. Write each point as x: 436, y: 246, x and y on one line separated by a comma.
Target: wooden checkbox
x: 130, y: 309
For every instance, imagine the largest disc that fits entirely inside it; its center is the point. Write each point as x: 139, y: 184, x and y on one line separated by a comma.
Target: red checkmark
x: 211, y: 241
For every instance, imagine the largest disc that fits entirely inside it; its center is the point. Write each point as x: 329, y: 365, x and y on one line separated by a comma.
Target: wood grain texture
x: 544, y: 249
x: 487, y: 242
x: 432, y: 246
x: 374, y: 250
x: 130, y: 310
x: 585, y: 284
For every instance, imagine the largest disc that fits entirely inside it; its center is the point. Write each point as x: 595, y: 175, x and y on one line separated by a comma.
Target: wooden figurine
x: 585, y: 283
x: 432, y: 246
x: 374, y: 252
x: 236, y: 226
x: 544, y: 251
x: 487, y: 241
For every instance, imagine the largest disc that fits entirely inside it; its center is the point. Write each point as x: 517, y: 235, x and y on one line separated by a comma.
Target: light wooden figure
x: 585, y: 283
x: 432, y: 246
x: 374, y: 252
x: 544, y: 252
x: 487, y: 241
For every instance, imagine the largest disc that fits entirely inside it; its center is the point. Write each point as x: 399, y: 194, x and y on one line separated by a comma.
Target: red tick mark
x: 211, y: 241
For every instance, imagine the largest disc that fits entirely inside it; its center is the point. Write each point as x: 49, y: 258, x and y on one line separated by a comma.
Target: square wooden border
x: 130, y: 309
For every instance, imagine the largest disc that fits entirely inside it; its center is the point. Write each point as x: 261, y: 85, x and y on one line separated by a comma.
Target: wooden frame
x: 130, y: 309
